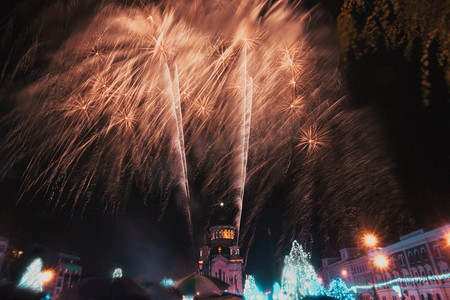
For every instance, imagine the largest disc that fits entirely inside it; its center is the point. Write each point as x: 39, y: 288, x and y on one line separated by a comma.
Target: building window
x: 384, y: 298
x: 394, y: 297
x: 438, y: 297
x: 437, y: 250
x: 402, y: 259
x: 430, y: 273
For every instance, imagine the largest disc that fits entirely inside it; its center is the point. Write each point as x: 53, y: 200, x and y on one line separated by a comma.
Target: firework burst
x: 192, y: 102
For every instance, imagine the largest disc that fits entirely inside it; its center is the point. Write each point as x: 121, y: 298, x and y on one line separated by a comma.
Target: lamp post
x: 381, y: 262
x: 370, y: 241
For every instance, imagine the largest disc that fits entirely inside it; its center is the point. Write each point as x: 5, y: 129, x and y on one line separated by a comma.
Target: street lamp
x: 46, y: 276
x: 447, y: 238
x: 370, y: 240
x: 380, y: 261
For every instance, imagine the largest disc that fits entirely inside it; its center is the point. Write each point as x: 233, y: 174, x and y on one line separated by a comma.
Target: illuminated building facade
x: 418, y: 254
x: 221, y: 258
x: 67, y: 269
x: 64, y: 265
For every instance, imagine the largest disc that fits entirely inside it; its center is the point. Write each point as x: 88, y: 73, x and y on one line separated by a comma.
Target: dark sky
x: 145, y: 246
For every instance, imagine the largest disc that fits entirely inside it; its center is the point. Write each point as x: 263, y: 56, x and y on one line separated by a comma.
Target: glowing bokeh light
x: 380, y: 261
x: 447, y: 238
x: 167, y: 282
x: 46, y: 276
x: 117, y: 273
x: 370, y: 240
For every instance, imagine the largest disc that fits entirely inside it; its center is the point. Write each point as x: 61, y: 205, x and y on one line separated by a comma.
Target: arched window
x: 422, y: 273
x: 402, y: 259
x: 422, y: 297
x: 438, y: 297
x: 437, y: 249
x: 430, y: 273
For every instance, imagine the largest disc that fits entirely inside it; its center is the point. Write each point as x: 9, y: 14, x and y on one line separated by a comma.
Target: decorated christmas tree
x: 251, y: 290
x: 31, y: 279
x: 339, y: 290
x: 299, y: 278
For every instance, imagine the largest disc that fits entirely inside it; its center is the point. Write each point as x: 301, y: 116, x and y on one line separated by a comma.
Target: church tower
x: 221, y: 258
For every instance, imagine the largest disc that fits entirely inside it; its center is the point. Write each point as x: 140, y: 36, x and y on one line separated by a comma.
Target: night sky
x: 149, y: 245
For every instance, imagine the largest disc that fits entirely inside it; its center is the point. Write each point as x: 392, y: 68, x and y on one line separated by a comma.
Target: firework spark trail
x: 174, y: 92
x: 247, y: 95
x: 245, y: 135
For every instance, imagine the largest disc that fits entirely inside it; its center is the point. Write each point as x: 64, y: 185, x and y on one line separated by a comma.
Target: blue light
x: 167, y: 282
x: 397, y: 289
x: 46, y: 297
x: 339, y: 290
x: 251, y: 290
x: 402, y: 280
x: 299, y: 279
x: 32, y: 278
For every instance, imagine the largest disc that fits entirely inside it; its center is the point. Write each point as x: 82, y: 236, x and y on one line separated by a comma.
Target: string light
x: 402, y: 280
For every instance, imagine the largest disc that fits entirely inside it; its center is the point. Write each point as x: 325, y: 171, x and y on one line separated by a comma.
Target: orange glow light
x: 370, y: 240
x: 344, y: 272
x: 447, y: 238
x: 380, y: 261
x: 46, y: 276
